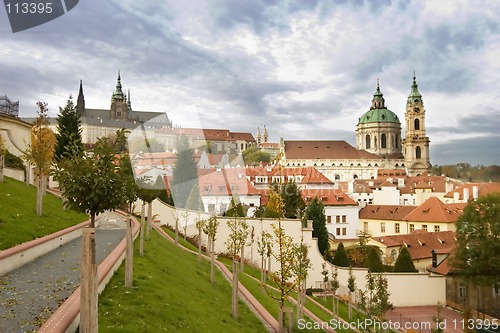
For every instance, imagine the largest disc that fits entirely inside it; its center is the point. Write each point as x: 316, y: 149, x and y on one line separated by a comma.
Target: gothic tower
x: 119, y: 107
x: 80, y: 102
x: 416, y: 143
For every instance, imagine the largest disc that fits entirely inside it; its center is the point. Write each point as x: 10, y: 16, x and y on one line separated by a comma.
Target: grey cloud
x: 476, y: 151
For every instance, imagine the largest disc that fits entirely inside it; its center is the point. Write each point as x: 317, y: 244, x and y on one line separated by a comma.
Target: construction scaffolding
x: 8, y: 107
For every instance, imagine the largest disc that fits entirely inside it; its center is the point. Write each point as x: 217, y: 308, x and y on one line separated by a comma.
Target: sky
x: 305, y: 69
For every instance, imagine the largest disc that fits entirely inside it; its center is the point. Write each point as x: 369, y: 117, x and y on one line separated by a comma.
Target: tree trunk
x: 177, y: 231
x: 235, y: 290
x: 268, y: 267
x: 212, y: 261
x: 88, y: 283
x: 143, y: 222
x: 39, y: 196
x: 129, y: 253
x: 349, y: 303
x: 150, y: 217
x: 199, y: 245
x: 281, y: 317
x: 2, y: 165
x: 27, y: 180
x: 242, y: 259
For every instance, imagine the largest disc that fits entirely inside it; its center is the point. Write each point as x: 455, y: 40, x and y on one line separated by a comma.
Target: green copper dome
x: 378, y: 113
x: 379, y: 116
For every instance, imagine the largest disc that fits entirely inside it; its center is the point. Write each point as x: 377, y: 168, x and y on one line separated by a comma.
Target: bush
x: 14, y: 162
x: 404, y: 263
x: 340, y: 258
x: 373, y: 262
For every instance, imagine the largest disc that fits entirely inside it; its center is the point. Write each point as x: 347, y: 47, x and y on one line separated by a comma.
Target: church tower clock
x: 415, y: 143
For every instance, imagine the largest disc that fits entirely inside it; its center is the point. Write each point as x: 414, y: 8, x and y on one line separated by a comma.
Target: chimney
x: 475, y: 192
x: 350, y: 187
x: 466, y: 194
x: 434, y: 259
x: 456, y: 197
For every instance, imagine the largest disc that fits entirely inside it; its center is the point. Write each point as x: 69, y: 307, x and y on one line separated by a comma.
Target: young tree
x: 236, y: 208
x: 92, y: 184
x: 301, y: 271
x: 147, y: 193
x: 262, y: 249
x: 274, y: 207
x: 3, y: 151
x: 236, y: 241
x: 40, y: 152
x: 335, y: 285
x: 184, y: 184
x: 130, y: 191
x: 285, y: 253
x: 404, y: 263
x: 315, y: 211
x: 200, y: 225
x: 373, y: 261
x: 381, y: 298
x: 340, y: 258
x: 351, y: 285
x: 68, y: 129
x: 326, y: 283
x: 253, y: 156
x: 211, y: 230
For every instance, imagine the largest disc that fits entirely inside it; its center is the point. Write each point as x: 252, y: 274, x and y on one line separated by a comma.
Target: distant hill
x: 469, y: 173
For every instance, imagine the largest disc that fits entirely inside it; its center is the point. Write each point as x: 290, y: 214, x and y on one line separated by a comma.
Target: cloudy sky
x: 306, y: 69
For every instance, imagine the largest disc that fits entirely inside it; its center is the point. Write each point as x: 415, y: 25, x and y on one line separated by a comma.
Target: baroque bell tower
x: 416, y: 143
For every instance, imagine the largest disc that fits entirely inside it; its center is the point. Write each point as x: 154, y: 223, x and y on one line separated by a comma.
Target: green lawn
x: 172, y: 293
x: 18, y: 220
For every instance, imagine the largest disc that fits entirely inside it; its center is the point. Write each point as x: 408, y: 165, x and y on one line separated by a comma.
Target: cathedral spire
x: 118, y: 93
x: 129, y: 102
x: 80, y: 101
x: 415, y: 97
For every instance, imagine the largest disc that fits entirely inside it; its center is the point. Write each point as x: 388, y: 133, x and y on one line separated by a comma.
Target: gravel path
x: 30, y: 294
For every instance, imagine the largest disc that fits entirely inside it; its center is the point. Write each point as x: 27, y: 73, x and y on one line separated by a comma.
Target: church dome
x: 378, y: 113
x: 379, y: 116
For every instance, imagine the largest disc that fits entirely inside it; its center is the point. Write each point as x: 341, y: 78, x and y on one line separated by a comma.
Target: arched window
x: 355, y: 177
x: 396, y: 142
x: 418, y: 152
x: 417, y: 124
x: 368, y: 142
x: 337, y: 177
x: 383, y: 141
x: 394, y: 255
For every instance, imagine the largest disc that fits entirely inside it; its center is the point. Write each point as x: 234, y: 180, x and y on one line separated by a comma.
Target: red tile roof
x: 434, y: 210
x: 420, y: 244
x: 385, y: 212
x: 207, y: 134
x: 329, y: 197
x: 225, y: 182
x: 325, y: 150
x: 483, y: 188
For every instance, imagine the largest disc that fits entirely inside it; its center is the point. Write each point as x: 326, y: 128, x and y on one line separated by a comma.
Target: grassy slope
x: 172, y: 292
x: 18, y: 220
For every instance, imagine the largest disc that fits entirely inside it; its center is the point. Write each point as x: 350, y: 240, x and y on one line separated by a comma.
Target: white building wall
x: 387, y: 195
x: 351, y: 214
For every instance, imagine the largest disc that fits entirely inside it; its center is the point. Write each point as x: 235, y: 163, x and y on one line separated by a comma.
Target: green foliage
x: 253, y: 156
x: 236, y: 210
x: 373, y: 261
x: 477, y: 248
x: 293, y: 202
x: 91, y: 181
x: 404, y: 263
x: 274, y: 207
x: 69, y: 132
x: 145, y: 145
x: 315, y: 211
x: 130, y: 188
x: 13, y: 161
x: 467, y: 172
x: 147, y: 189
x: 238, y: 233
x: 351, y: 281
x: 340, y: 258
x: 184, y: 184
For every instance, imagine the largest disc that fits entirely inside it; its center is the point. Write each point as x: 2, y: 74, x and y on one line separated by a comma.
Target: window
x: 417, y: 124
x: 337, y: 177
x: 394, y: 255
x: 368, y: 142
x: 424, y: 227
x: 344, y: 219
x: 462, y: 291
x: 412, y: 227
x: 211, y: 208
x: 383, y: 141
x: 344, y: 231
x: 365, y: 227
x: 436, y: 228
x: 337, y: 219
x: 338, y: 232
x: 329, y: 219
x: 418, y: 152
x: 382, y: 226
x: 396, y: 228
x: 261, y: 180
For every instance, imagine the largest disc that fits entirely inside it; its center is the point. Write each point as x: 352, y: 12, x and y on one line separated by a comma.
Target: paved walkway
x: 30, y: 294
x: 421, y: 318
